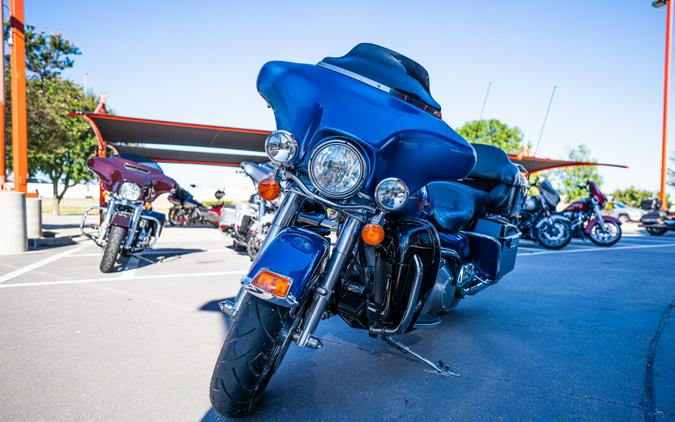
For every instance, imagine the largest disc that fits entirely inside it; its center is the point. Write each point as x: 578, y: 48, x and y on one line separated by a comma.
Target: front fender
x: 295, y: 253
x: 122, y: 219
x: 594, y: 221
x: 554, y: 217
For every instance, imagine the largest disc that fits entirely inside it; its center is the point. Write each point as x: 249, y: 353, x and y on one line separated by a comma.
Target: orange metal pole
x: 666, y: 89
x: 3, y: 149
x: 18, y: 73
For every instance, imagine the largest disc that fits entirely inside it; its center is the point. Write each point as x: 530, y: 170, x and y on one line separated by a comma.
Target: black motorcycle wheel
x: 249, y: 357
x: 656, y: 231
x: 562, y: 230
x: 602, y: 239
x: 174, y: 218
x: 112, y: 248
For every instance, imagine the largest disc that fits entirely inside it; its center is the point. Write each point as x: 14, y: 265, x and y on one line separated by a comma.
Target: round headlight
x: 129, y: 191
x: 337, y: 169
x: 391, y: 194
x: 281, y: 146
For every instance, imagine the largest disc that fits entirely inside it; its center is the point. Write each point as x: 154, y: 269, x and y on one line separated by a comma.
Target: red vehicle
x: 187, y: 210
x: 128, y: 223
x: 587, y: 220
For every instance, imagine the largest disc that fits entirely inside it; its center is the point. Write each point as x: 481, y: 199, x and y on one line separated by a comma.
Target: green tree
x: 58, y: 146
x: 568, y: 178
x: 493, y: 132
x: 633, y: 196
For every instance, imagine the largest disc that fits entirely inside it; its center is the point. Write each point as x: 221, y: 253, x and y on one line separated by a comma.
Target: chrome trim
x: 289, y: 300
x: 341, y: 254
x: 405, y: 186
x: 159, y: 226
x: 283, y: 218
x: 356, y: 76
x: 362, y: 161
x: 131, y: 233
x: 295, y: 153
x: 317, y: 221
x: 308, y: 193
x: 409, y: 309
x: 83, y: 222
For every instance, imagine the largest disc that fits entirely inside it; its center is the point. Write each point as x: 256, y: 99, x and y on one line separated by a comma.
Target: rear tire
x: 656, y: 231
x: 112, y: 248
x: 250, y: 354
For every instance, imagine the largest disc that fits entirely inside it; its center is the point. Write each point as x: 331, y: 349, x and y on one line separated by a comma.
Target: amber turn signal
x: 372, y: 234
x: 273, y: 283
x: 269, y: 189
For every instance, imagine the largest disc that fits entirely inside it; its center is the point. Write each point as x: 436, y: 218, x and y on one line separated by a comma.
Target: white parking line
x: 161, y: 252
x: 597, y: 249
x: 38, y: 264
x: 187, y: 276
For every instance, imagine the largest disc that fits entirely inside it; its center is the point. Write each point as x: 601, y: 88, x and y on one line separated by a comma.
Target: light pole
x: 666, y: 89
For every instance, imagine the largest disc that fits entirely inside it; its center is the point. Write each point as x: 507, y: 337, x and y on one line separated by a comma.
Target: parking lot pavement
x: 580, y: 334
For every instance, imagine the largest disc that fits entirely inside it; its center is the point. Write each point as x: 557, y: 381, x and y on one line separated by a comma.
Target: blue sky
x: 198, y: 62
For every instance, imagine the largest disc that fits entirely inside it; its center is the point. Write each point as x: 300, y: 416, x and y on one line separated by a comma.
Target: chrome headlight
x: 281, y: 147
x: 391, y: 193
x: 129, y: 191
x: 337, y: 169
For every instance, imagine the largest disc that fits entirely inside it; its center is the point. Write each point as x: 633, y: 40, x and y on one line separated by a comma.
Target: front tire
x: 554, y: 235
x: 112, y: 248
x: 250, y: 354
x: 611, y: 235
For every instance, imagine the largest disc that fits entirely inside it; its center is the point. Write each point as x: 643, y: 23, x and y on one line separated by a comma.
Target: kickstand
x: 440, y: 367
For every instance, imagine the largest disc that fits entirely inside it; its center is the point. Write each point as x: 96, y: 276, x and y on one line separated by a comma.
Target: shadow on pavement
x: 152, y: 256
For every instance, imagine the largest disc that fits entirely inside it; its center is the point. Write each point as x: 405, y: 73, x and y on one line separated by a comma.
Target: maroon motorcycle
x: 128, y: 223
x: 587, y: 220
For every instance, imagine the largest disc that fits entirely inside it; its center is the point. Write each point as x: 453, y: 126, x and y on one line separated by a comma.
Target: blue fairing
x: 398, y: 139
x: 295, y: 253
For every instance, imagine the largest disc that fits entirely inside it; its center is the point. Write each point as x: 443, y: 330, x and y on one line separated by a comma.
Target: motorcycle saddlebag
x: 494, y: 246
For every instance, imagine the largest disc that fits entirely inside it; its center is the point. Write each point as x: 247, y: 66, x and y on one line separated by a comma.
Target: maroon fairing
x: 115, y: 170
x: 599, y: 196
x: 580, y: 205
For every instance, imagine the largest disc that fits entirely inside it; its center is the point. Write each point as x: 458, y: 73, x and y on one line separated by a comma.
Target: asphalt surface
x: 585, y: 333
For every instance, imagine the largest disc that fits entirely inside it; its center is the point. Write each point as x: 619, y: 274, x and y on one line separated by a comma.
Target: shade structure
x: 534, y: 165
x: 131, y: 136
x: 185, y: 157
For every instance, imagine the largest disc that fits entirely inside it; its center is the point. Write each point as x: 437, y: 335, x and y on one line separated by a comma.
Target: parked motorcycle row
x: 540, y: 222
x: 344, y: 224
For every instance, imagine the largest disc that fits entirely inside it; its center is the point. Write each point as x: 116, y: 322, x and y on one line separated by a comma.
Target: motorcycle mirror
x: 219, y: 194
x: 193, y: 185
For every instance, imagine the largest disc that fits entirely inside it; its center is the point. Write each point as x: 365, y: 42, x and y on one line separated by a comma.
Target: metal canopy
x: 124, y: 134
x: 534, y: 165
x: 186, y: 157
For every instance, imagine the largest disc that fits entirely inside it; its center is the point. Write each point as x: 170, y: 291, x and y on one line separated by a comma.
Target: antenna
x: 543, y: 125
x: 482, y: 110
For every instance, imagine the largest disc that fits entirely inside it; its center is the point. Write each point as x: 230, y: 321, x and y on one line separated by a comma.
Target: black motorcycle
x: 187, y: 210
x: 538, y: 220
x: 656, y: 221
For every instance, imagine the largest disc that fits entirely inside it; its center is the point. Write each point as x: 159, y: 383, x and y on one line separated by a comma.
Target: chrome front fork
x: 338, y: 260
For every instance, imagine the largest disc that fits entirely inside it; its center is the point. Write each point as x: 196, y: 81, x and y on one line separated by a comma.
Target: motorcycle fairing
x: 315, y: 103
x: 114, y: 170
x: 594, y: 221
x: 296, y: 253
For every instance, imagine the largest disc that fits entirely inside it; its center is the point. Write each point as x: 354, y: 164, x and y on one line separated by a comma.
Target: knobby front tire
x: 112, y: 248
x: 248, y: 357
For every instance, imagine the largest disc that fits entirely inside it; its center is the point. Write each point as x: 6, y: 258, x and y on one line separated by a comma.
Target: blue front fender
x: 295, y: 253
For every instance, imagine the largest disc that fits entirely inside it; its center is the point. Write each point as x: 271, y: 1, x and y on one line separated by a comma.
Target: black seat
x: 388, y: 68
x: 455, y: 205
x: 495, y: 174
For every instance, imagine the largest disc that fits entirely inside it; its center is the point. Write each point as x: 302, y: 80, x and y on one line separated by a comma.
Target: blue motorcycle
x: 389, y: 217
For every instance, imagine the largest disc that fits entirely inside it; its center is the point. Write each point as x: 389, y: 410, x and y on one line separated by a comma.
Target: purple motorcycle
x: 128, y: 223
